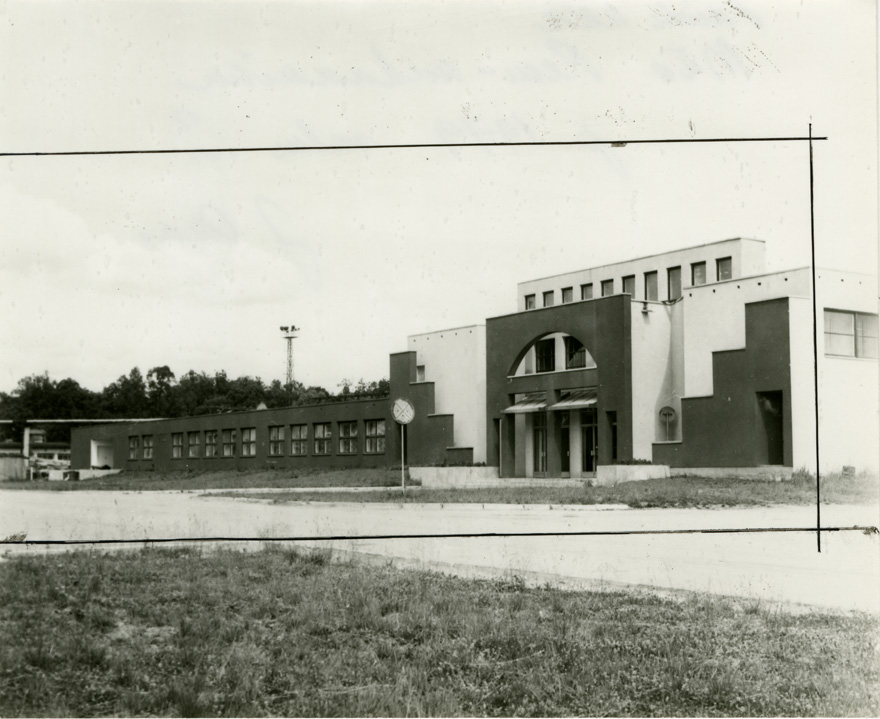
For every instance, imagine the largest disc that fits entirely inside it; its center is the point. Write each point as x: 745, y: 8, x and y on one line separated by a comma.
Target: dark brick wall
x: 604, y: 327
x: 261, y: 420
x: 727, y: 429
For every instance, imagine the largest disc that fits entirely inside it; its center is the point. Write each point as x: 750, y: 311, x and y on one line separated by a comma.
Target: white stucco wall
x: 715, y: 319
x: 653, y: 371
x: 849, y: 389
x: 455, y: 361
x: 747, y: 257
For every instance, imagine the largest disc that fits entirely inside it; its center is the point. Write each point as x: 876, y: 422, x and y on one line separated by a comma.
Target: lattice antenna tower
x: 289, y: 334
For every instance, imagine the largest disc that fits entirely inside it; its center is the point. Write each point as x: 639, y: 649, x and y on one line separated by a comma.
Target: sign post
x: 403, y: 413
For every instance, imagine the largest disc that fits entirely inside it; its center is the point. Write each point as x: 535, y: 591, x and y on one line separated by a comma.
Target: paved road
x: 777, y: 567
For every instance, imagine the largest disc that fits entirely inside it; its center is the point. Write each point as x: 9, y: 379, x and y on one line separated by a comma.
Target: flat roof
x: 451, y: 329
x: 642, y: 257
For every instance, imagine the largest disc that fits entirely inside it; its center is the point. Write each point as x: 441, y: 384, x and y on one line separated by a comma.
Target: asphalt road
x: 781, y: 567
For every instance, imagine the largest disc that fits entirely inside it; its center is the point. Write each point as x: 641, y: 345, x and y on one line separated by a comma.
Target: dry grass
x: 223, y: 479
x: 671, y: 492
x: 281, y: 633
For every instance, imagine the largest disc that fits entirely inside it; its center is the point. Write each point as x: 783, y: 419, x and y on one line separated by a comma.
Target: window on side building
x: 629, y: 285
x: 276, y: 441
x: 147, y: 441
x: 299, y: 438
x: 375, y: 432
x: 228, y: 437
x: 348, y: 432
x: 323, y: 437
x: 851, y: 334
x: 177, y: 445
x: 545, y: 355
x: 724, y: 268
x: 211, y: 443
x: 530, y: 302
x: 567, y: 295
x: 249, y: 442
x: 651, y: 291
x: 673, y: 276
x: 698, y: 273
x: 607, y: 288
x: 192, y: 439
x: 134, y: 444
x: 548, y: 298
x: 420, y: 373
x: 587, y: 291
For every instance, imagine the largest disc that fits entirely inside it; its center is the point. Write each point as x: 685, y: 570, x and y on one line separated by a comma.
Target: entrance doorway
x: 564, y: 445
x: 539, y: 436
x: 589, y: 437
x: 770, y: 444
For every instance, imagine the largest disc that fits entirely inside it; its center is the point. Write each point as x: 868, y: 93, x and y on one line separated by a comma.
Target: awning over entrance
x: 576, y: 399
x: 532, y: 402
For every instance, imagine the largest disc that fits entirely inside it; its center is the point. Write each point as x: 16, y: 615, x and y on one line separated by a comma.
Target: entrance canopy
x: 532, y: 402
x: 576, y: 399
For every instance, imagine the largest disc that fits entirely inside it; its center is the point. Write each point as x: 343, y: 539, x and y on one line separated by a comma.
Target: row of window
x: 223, y: 443
x: 723, y: 271
x: 545, y: 355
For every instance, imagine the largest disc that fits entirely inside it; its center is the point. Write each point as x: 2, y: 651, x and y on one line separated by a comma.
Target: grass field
x: 672, y: 492
x: 229, y: 479
x: 174, y: 632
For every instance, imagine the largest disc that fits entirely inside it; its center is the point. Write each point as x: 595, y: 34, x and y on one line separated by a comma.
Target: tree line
x: 159, y: 394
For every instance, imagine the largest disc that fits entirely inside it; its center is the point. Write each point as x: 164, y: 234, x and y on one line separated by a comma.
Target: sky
x: 195, y: 260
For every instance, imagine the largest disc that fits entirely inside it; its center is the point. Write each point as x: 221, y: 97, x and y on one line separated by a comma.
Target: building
x: 697, y: 359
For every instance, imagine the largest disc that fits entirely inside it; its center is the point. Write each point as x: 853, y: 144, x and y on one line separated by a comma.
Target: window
x: 348, y: 432
x: 548, y: 298
x: 323, y: 437
x: 698, y: 273
x: 228, y: 442
x: 177, y: 445
x: 299, y: 436
x: 651, y: 292
x: 420, y: 373
x: 629, y: 285
x: 607, y: 287
x: 850, y: 334
x: 249, y: 442
x: 276, y: 441
x: 134, y: 444
x: 545, y: 355
x: 673, y: 276
x: 724, y: 268
x: 192, y: 439
x: 575, y: 354
x: 211, y: 443
x: 530, y: 302
x: 375, y: 431
x: 567, y: 295
x: 587, y: 291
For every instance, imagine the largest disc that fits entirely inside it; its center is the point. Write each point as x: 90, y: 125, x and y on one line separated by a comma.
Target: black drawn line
x: 407, y: 146
x: 868, y: 530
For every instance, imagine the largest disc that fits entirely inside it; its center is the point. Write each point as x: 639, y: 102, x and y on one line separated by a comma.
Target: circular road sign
x: 402, y: 411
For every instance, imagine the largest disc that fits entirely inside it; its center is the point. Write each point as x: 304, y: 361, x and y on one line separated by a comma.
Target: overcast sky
x: 194, y: 261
